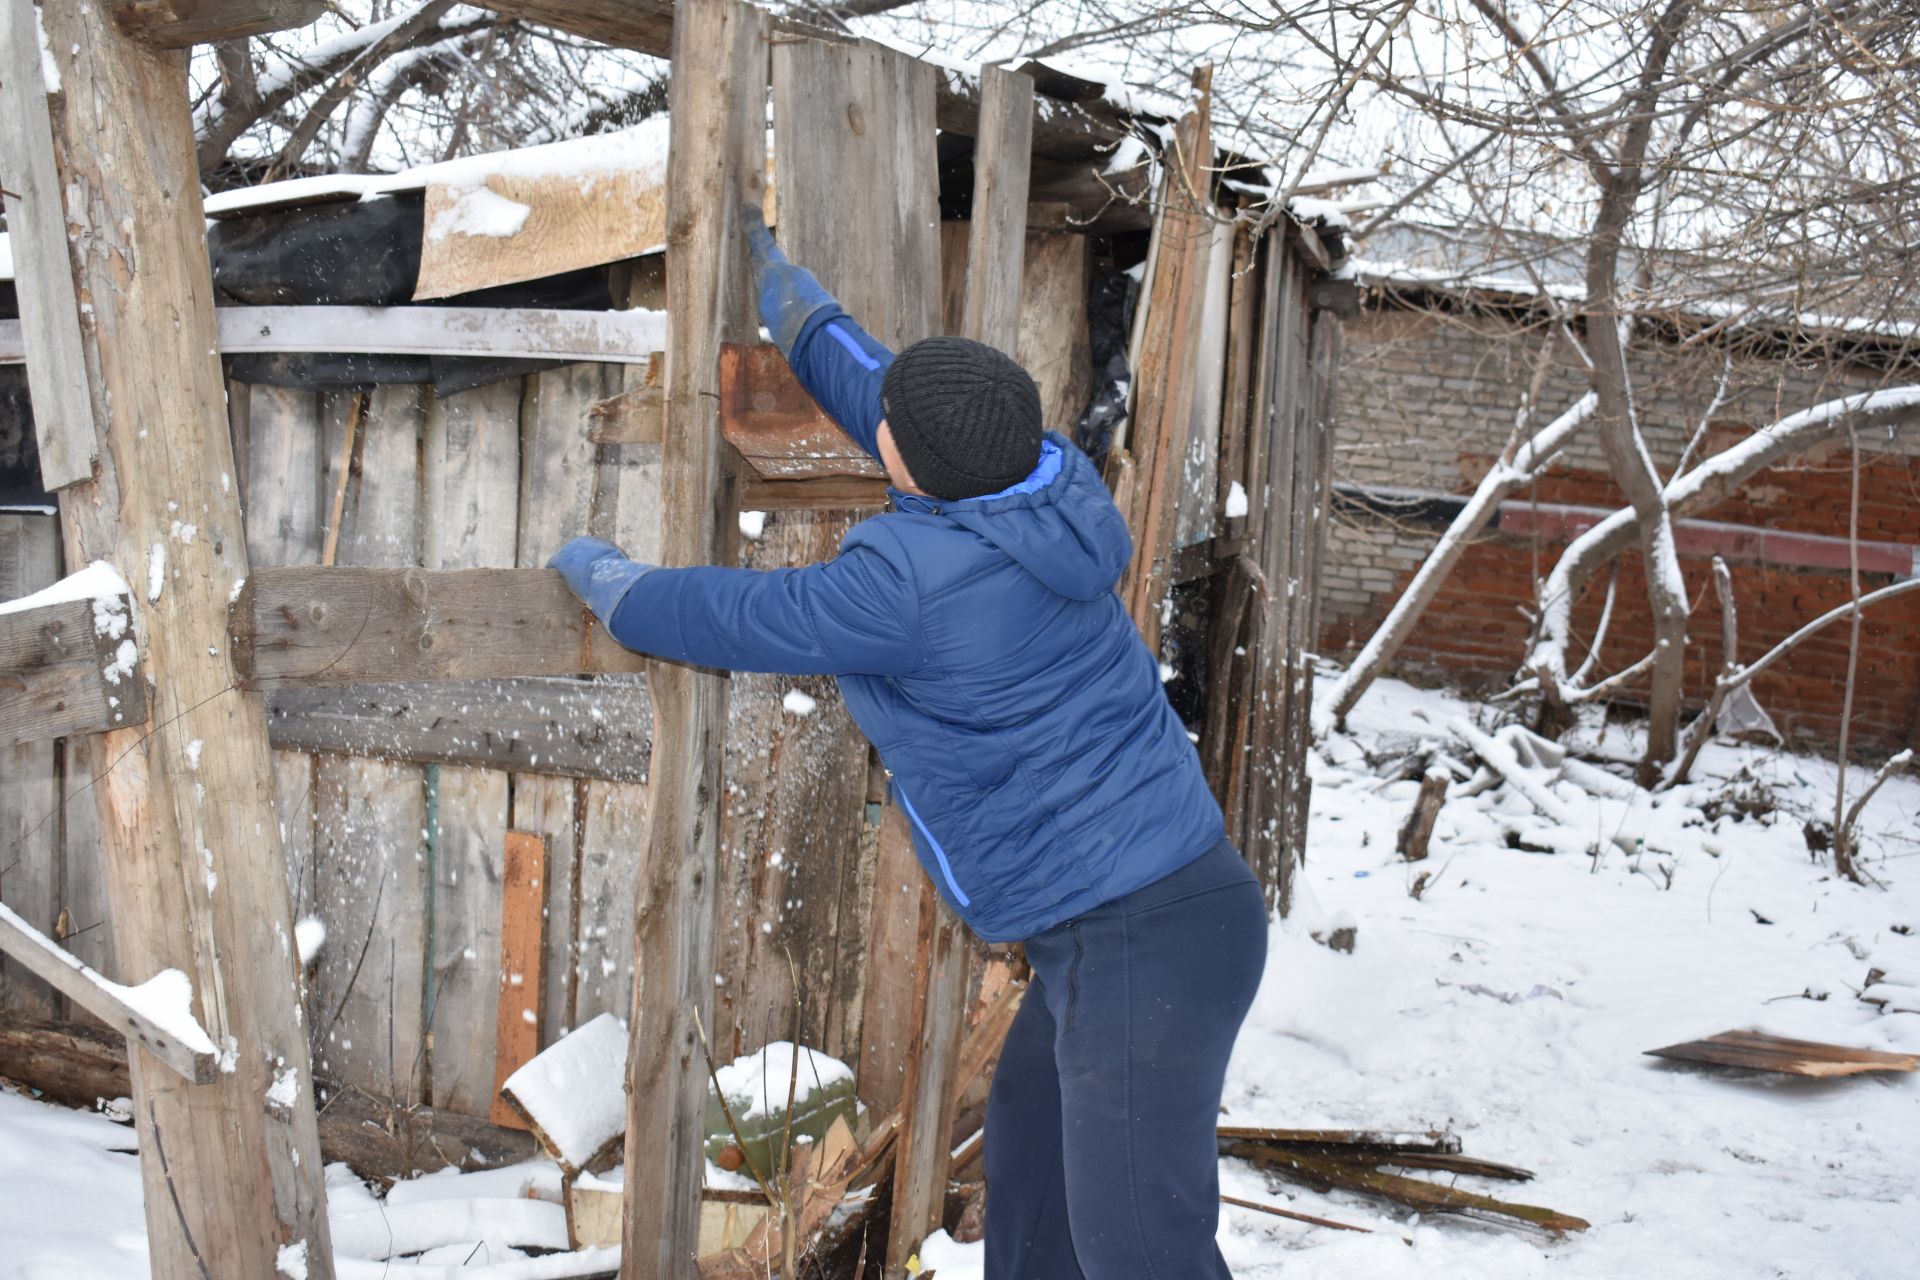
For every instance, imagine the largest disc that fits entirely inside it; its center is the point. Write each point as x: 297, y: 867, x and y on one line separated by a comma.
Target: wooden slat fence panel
x: 471, y: 481
x: 367, y: 1002
x: 30, y: 826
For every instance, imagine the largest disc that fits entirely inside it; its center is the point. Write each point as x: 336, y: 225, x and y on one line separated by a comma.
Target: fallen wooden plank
x: 62, y: 671
x: 1758, y: 1051
x: 82, y: 1065
x: 1278, y: 1212
x: 536, y: 725
x: 571, y: 1094
x: 311, y: 625
x: 49, y: 324
x: 1324, y: 1174
x: 1433, y: 1141
x: 1417, y: 833
x: 157, y: 1015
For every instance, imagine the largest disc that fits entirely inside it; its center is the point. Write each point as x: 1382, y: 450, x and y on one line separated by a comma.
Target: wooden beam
x: 310, y: 625
x: 637, y: 415
x: 79, y: 1064
x: 61, y: 674
x: 176, y: 24
x: 230, y: 1170
x: 185, y: 1048
x: 718, y: 149
x: 527, y: 725
x: 49, y: 324
x: 832, y: 493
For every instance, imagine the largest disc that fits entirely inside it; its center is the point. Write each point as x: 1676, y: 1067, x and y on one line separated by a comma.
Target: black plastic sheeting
x: 365, y: 253
x: 1111, y: 297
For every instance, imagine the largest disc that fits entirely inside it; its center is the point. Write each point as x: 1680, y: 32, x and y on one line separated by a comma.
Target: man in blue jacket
x: 1054, y: 795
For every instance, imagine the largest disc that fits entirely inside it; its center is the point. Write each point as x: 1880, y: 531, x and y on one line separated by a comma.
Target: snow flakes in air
x: 156, y: 571
x: 798, y: 703
x: 184, y: 533
x: 194, y: 749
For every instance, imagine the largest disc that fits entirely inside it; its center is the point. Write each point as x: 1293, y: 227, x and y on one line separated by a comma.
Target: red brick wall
x: 1476, y: 631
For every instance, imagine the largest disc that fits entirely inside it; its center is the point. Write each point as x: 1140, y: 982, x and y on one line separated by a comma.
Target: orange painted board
x: 522, y: 934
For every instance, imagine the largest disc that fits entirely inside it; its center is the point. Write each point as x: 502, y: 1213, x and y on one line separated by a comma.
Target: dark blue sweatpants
x: 1100, y: 1149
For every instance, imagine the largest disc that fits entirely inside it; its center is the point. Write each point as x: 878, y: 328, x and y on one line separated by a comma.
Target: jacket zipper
x: 939, y: 854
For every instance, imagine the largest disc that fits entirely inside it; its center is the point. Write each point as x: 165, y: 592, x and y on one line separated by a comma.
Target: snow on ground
x: 1511, y: 1003
x: 1514, y: 1000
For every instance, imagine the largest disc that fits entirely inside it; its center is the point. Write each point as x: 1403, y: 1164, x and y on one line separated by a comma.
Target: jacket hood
x: 1062, y: 528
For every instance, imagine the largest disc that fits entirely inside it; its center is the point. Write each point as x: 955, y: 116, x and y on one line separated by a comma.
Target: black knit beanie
x: 965, y: 417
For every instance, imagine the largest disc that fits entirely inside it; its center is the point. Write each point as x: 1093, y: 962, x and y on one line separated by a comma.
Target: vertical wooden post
x: 717, y: 150
x: 231, y: 1170
x: 991, y: 311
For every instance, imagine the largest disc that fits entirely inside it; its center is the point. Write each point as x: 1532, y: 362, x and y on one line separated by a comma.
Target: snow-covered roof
x: 1451, y: 259
x: 641, y: 147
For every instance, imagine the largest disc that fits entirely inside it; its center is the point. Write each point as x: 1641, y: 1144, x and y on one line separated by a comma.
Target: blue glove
x: 787, y: 294
x: 599, y: 573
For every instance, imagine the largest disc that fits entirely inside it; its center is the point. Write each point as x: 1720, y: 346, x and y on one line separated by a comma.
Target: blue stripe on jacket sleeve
x: 843, y: 374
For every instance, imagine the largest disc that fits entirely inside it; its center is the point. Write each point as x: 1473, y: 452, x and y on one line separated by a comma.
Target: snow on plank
x: 68, y: 661
x: 157, y: 1014
x: 573, y: 1094
x: 1758, y: 1051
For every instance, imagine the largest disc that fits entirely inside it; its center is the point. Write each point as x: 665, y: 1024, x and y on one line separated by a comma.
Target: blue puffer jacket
x: 980, y: 646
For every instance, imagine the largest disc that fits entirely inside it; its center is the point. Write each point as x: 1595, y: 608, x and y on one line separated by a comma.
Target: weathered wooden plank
x: 613, y: 845
x: 61, y: 674
x: 790, y: 841
x: 284, y: 476
x: 533, y: 333
x: 1237, y: 396
x: 860, y: 187
x: 997, y: 241
x: 1053, y: 325
x: 1198, y: 507
x: 887, y: 1029
x: 1761, y: 1051
x: 83, y: 855
x: 193, y: 1059
x: 63, y: 419
x: 522, y: 943
x: 937, y: 1025
x: 368, y: 998
x: 30, y: 822
x: 538, y: 725
x: 635, y: 416
x: 471, y: 475
x: 1063, y: 129
x: 718, y: 149
x: 80, y: 1065
x: 318, y: 626
x: 1164, y: 365
x: 177, y: 24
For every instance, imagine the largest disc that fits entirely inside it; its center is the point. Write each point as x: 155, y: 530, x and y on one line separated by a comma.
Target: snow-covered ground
x: 1511, y: 1002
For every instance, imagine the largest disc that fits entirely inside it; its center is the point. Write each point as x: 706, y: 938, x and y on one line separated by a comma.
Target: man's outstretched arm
x: 840, y: 364
x: 853, y: 615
